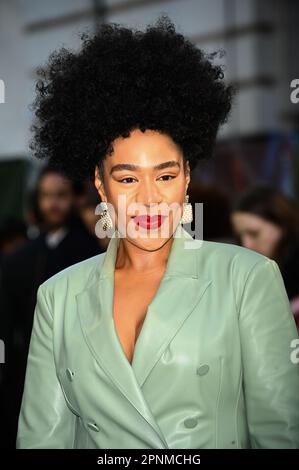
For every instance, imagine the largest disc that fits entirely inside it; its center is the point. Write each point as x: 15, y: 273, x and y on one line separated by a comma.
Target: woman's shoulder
x: 219, y: 255
x: 235, y: 268
x: 224, y: 255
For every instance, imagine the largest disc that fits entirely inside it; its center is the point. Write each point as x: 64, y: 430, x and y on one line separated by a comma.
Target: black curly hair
x: 123, y: 79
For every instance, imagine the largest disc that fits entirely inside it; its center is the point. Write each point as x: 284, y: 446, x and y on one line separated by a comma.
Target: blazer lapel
x: 179, y: 292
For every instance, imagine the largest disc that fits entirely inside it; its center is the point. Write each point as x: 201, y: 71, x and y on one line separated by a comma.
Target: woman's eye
x: 167, y: 176
x: 129, y: 179
x: 125, y: 180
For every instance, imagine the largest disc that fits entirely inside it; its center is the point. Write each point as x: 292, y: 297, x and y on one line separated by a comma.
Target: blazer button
x: 203, y: 370
x: 70, y: 374
x: 93, y: 427
x: 190, y: 422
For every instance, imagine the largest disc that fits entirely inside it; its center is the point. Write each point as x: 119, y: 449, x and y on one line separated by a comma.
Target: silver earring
x: 105, y: 217
x: 187, y: 216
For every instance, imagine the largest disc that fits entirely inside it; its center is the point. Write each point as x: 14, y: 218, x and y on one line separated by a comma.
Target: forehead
x: 246, y: 219
x: 145, y: 148
x: 51, y: 179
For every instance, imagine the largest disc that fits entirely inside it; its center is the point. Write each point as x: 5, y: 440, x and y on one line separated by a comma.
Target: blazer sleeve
x: 45, y: 421
x: 270, y: 370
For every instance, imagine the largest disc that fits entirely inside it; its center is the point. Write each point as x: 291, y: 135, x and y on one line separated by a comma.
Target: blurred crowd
x: 59, y: 230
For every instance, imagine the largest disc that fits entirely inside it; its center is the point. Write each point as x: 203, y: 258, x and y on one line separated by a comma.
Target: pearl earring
x: 105, y: 217
x: 187, y: 216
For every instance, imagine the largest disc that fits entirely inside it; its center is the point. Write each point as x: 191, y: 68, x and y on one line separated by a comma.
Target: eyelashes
x: 131, y: 178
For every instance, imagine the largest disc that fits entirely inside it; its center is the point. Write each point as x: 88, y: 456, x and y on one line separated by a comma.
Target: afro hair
x: 122, y: 79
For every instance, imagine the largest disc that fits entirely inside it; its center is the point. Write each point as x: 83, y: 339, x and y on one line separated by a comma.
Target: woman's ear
x: 99, y: 184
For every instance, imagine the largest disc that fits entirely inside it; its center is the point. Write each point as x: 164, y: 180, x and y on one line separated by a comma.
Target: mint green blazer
x: 214, y: 365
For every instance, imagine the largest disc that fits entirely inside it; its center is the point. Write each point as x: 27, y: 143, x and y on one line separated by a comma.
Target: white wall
x: 14, y: 118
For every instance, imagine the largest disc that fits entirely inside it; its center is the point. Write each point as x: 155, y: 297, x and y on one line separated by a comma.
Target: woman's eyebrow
x: 131, y: 167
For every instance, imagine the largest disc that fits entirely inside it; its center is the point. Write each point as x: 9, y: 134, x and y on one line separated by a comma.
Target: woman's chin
x: 150, y: 243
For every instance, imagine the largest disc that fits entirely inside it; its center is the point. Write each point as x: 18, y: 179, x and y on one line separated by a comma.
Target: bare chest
x: 131, y: 300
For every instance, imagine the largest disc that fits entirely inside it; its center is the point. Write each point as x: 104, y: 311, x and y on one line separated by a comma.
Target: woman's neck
x: 132, y: 258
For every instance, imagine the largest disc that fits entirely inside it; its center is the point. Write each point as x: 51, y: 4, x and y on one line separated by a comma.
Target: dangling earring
x: 105, y: 217
x: 187, y: 216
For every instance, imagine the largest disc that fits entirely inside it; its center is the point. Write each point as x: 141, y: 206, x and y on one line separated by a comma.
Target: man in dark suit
x: 63, y: 241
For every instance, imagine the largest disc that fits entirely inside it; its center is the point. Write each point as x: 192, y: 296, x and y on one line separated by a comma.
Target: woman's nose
x: 148, y: 194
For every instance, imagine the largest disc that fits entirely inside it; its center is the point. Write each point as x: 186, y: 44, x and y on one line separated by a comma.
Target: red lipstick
x: 149, y: 222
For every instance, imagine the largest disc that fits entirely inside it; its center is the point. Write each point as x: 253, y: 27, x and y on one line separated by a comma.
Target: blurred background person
x: 265, y: 220
x: 63, y: 240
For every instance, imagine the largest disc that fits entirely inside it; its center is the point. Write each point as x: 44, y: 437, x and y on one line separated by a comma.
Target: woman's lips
x: 147, y: 221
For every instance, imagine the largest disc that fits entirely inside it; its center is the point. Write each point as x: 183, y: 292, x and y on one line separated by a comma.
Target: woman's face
x: 144, y: 177
x: 256, y: 233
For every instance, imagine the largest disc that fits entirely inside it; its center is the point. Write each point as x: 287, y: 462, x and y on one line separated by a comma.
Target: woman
x: 266, y: 221
x: 163, y: 341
